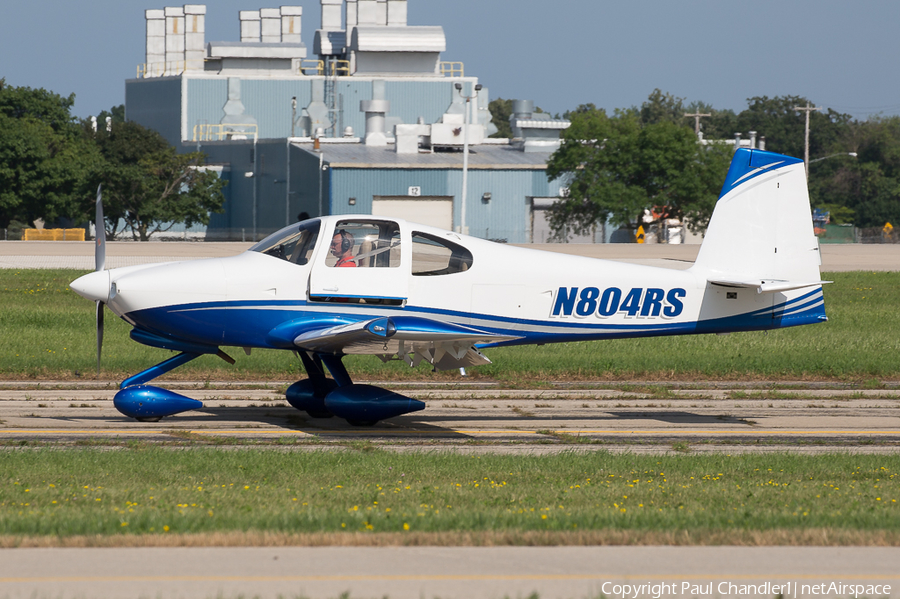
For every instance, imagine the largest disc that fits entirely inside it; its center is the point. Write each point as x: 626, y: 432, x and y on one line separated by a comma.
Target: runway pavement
x: 640, y: 418
x: 450, y: 572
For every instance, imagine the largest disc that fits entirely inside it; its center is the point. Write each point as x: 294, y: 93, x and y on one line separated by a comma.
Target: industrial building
x: 374, y: 121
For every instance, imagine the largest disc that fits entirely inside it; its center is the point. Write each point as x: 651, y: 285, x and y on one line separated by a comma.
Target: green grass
x: 159, y: 491
x: 47, y: 331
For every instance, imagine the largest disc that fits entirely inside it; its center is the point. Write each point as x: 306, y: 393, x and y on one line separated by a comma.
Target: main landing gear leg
x: 360, y: 405
x: 308, y: 395
x: 146, y: 403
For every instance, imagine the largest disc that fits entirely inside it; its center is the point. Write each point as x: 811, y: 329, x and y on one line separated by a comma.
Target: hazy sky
x: 840, y: 54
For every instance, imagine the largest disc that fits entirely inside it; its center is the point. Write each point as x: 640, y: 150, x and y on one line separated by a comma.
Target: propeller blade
x: 99, y: 333
x: 100, y: 227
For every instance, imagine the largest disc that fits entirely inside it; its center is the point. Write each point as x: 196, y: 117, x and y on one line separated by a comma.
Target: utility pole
x: 807, y: 109
x: 697, y: 116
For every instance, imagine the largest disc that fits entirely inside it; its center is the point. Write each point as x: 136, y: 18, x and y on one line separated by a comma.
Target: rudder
x: 761, y: 228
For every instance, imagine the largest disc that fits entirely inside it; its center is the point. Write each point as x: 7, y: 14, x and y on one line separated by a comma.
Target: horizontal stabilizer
x: 769, y: 286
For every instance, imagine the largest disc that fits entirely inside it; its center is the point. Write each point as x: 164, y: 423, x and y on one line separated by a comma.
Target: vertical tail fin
x: 761, y: 228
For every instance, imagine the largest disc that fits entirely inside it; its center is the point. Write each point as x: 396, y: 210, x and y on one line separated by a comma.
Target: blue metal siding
x: 206, y: 98
x: 364, y: 184
x: 269, y: 102
x: 156, y: 104
x: 504, y: 217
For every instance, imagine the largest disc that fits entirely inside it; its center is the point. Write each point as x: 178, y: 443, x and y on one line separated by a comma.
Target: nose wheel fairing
x: 147, y: 403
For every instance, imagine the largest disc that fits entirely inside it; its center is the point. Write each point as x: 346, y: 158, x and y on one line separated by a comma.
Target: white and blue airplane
x: 351, y: 284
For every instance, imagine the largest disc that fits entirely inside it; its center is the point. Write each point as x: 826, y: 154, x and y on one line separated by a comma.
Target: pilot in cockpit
x: 342, y: 248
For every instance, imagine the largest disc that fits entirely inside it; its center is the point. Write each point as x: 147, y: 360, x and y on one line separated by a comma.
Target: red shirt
x: 345, y: 262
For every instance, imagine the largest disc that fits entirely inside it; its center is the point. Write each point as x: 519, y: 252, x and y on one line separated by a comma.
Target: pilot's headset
x: 346, y: 241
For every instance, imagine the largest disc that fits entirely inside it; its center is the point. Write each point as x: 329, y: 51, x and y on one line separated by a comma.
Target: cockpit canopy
x: 363, y: 242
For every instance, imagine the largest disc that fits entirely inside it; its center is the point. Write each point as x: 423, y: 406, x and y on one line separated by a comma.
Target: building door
x: 540, y: 224
x: 435, y: 211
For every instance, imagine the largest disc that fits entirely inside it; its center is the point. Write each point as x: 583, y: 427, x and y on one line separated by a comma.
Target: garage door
x: 436, y: 211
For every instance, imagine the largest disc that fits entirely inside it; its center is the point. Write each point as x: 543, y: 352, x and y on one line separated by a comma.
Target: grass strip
x: 573, y: 498
x: 47, y: 332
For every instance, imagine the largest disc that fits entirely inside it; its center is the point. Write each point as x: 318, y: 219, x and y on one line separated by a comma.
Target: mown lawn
x: 157, y: 491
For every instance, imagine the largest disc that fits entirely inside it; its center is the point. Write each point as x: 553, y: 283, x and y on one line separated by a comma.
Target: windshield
x: 294, y: 243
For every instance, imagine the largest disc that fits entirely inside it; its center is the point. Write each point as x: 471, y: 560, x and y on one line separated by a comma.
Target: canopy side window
x: 294, y: 244
x: 432, y: 256
x: 364, y: 244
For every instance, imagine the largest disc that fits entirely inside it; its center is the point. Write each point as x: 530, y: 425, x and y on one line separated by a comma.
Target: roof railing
x: 168, y: 69
x: 225, y: 132
x: 452, y: 69
x: 316, y: 66
x: 340, y: 67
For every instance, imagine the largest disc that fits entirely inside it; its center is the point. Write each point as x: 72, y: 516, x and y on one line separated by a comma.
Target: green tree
x: 616, y: 168
x: 149, y: 186
x: 43, y: 159
x: 784, y: 127
x: 869, y: 185
x: 662, y: 108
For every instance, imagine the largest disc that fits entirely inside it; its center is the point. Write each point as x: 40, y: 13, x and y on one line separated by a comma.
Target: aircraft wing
x: 407, y: 338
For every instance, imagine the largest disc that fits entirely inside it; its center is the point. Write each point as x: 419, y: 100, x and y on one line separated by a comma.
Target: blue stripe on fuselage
x: 246, y: 323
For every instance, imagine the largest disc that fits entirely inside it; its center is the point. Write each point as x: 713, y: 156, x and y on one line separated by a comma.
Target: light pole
x: 833, y: 155
x: 465, y: 178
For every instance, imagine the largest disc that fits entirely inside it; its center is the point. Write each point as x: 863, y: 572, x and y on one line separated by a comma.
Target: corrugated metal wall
x: 156, y: 104
x: 269, y: 101
x: 505, y: 216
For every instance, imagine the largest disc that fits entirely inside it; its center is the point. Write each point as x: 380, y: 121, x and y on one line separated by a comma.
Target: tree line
x: 51, y: 164
x: 615, y: 166
x: 647, y: 158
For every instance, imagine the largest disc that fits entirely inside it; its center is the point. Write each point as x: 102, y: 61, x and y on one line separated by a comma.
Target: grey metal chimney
x: 194, y: 36
x: 270, y: 25
x: 250, y: 25
x: 375, y: 110
x: 156, y: 41
x: 291, y: 19
x: 174, y: 39
x: 331, y: 15
x: 396, y: 13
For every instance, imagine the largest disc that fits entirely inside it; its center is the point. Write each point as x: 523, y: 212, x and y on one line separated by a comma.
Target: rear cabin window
x: 434, y: 256
x: 294, y: 244
x: 364, y: 244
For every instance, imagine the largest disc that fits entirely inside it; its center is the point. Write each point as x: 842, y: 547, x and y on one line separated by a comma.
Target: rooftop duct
x: 536, y: 132
x: 376, y: 109
x: 316, y: 116
x: 397, y: 50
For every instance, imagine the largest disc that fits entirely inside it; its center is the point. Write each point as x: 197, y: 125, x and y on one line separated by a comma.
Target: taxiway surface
x: 642, y: 417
